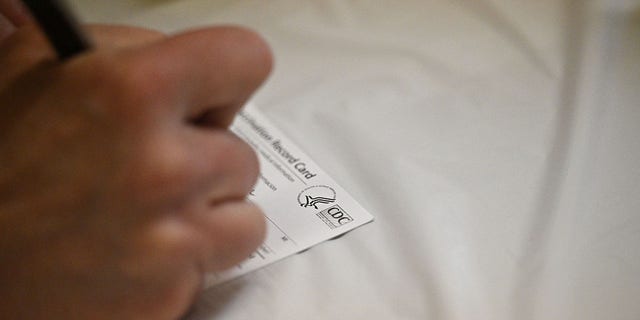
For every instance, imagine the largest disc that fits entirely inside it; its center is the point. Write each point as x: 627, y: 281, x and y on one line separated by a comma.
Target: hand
x: 120, y: 185
x: 12, y: 15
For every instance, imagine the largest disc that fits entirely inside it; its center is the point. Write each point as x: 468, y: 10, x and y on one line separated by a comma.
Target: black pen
x: 59, y: 26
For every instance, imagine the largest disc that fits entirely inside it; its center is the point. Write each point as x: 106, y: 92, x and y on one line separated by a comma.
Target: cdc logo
x: 315, y: 196
x: 334, y: 216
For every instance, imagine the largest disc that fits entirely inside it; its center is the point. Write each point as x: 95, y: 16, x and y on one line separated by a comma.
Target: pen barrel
x: 59, y: 26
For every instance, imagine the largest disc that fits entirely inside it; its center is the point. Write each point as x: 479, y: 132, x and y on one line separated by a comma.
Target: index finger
x: 206, y: 75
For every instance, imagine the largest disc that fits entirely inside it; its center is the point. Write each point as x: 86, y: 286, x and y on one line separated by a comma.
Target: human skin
x: 120, y: 185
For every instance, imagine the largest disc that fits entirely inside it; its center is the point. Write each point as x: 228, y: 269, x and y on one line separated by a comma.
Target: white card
x: 302, y: 204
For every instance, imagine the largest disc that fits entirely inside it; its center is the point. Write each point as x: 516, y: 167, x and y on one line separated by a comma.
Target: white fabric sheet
x: 495, y: 141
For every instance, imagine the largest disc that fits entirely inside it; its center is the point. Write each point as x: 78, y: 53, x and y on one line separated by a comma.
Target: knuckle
x: 256, y: 51
x: 244, y: 161
x: 173, y: 236
x: 163, y: 170
x: 145, y: 82
x: 253, y: 229
x: 156, y: 240
x: 126, y: 88
x: 259, y: 223
x: 244, y: 230
x: 261, y: 55
x: 248, y: 155
x: 168, y: 164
